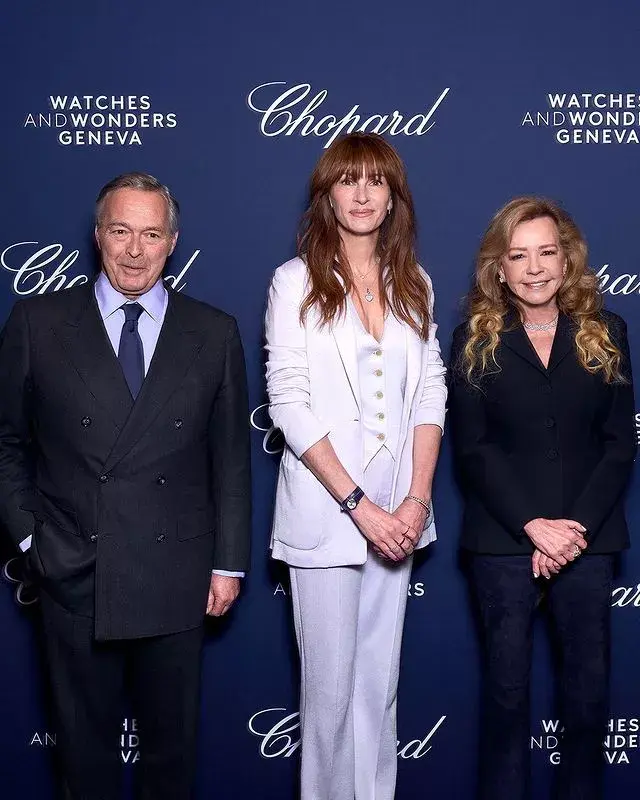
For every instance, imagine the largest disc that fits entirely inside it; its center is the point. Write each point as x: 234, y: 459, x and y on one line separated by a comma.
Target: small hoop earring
x: 501, y: 278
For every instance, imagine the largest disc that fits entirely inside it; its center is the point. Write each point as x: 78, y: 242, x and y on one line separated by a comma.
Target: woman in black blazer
x: 542, y: 420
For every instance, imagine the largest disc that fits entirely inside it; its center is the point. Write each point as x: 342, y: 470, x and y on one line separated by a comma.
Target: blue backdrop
x: 231, y: 105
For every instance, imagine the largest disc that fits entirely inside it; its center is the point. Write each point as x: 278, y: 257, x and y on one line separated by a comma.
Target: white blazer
x: 312, y: 381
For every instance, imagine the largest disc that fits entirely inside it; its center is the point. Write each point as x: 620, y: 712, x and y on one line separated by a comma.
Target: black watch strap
x: 351, y: 501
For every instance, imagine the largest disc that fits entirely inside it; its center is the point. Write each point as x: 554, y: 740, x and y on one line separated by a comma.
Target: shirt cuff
x: 25, y: 544
x: 228, y: 573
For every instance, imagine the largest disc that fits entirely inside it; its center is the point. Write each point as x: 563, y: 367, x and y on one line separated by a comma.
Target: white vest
x: 382, y: 377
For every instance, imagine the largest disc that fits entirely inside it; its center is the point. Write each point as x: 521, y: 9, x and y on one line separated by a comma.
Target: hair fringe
x: 404, y: 288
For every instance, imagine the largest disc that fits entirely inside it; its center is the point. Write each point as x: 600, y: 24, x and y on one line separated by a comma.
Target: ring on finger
x: 576, y: 551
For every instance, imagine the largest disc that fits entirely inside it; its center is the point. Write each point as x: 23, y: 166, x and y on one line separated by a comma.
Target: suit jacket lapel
x: 86, y: 344
x: 177, y: 347
x: 345, y: 337
x: 415, y: 350
x: 516, y: 339
x: 563, y: 341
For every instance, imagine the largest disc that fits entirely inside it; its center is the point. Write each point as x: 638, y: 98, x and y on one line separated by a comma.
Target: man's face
x: 134, y: 239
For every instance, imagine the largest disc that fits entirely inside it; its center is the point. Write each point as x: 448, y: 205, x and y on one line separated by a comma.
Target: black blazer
x: 130, y: 504
x: 535, y: 442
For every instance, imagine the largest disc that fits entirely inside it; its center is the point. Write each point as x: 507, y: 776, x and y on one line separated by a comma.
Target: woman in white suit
x: 356, y: 383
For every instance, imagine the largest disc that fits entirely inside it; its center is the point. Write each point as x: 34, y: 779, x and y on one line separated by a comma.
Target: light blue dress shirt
x: 154, y: 302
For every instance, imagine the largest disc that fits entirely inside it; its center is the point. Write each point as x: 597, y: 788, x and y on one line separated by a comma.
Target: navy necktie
x: 130, y: 352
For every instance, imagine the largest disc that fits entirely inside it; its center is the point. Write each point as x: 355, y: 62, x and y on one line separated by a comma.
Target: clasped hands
x: 392, y: 536
x: 557, y: 542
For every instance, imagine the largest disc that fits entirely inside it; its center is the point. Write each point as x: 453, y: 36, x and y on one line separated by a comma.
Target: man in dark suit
x: 124, y: 471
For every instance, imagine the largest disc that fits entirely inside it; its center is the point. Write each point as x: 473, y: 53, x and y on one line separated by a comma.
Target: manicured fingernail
x: 535, y: 575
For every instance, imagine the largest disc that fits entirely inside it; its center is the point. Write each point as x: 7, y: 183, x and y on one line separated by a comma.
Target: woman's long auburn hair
x: 321, y: 247
x: 579, y: 296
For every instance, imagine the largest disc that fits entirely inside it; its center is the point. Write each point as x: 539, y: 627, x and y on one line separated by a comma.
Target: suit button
x: 549, y: 422
x: 94, y: 537
x: 552, y: 454
x: 177, y: 423
x: 378, y: 373
x: 86, y: 421
x: 103, y: 478
x: 377, y: 352
x: 161, y: 480
x: 381, y: 438
x: 379, y: 395
x: 546, y: 388
x: 160, y: 538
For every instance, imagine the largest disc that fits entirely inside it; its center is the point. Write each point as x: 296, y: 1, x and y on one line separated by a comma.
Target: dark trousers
x: 90, y: 681
x: 579, y: 605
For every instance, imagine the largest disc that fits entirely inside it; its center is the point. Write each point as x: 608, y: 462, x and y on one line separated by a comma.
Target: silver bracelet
x: 424, y: 503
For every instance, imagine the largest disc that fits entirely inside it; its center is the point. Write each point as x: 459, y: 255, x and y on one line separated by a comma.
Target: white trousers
x: 348, y: 623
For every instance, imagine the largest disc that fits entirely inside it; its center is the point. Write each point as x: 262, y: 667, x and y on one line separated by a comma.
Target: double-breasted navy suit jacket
x: 129, y: 504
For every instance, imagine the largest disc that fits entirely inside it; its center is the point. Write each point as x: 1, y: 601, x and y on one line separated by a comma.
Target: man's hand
x: 223, y: 591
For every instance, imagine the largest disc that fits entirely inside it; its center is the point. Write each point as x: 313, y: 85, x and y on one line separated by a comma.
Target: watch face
x: 351, y: 504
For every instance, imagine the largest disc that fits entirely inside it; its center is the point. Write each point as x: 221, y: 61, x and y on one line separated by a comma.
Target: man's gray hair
x: 147, y: 183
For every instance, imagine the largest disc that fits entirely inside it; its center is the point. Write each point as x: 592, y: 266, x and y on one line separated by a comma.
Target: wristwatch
x: 351, y: 501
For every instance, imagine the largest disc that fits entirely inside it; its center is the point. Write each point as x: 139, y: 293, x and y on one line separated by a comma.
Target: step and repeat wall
x: 231, y: 104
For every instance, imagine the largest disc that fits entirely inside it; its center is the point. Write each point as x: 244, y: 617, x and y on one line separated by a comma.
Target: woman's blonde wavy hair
x: 579, y: 295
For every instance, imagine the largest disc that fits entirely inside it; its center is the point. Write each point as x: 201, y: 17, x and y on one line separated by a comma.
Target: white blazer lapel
x: 345, y: 337
x: 415, y: 348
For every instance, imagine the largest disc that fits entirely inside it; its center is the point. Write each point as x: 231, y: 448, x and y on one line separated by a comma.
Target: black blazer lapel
x: 177, y: 347
x: 86, y: 344
x: 563, y: 341
x: 516, y: 339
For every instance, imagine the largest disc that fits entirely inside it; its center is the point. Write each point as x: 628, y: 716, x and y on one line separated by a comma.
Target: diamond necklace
x: 541, y: 326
